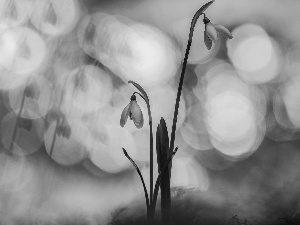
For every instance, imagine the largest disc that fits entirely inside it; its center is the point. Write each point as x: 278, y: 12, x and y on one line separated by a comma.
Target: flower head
x: 211, y: 32
x: 64, y: 129
x: 134, y: 112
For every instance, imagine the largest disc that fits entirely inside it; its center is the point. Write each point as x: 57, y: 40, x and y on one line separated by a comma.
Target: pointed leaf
x: 207, y: 41
x: 223, y: 30
x: 163, y: 148
x: 143, y: 92
x: 158, y: 180
x: 162, y: 143
x: 205, y: 6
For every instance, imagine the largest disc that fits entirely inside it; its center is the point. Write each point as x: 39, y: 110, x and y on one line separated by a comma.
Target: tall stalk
x: 186, y: 55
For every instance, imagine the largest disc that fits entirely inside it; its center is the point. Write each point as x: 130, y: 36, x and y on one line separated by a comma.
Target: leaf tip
x: 125, y: 152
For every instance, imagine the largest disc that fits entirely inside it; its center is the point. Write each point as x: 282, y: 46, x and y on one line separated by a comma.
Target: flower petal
x: 137, y: 115
x: 207, y: 41
x: 223, y: 30
x: 211, y: 32
x: 125, y: 115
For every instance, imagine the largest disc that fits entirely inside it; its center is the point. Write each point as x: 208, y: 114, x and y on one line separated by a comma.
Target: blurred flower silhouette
x: 24, y: 123
x: 134, y: 112
x: 211, y: 32
x: 64, y: 129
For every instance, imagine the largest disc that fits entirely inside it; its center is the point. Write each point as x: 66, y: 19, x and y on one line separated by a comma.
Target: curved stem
x: 164, y: 168
x: 144, y: 95
x: 193, y: 23
x: 151, y: 144
x: 140, y: 95
x: 142, y: 179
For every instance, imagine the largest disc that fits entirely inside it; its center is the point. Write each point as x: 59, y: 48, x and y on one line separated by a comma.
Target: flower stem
x: 187, y: 51
x: 179, y: 94
x: 151, y: 142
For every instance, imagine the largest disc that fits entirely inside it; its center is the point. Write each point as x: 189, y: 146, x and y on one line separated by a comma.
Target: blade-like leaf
x: 162, y: 144
x: 205, y: 6
x: 163, y: 148
x: 158, y: 180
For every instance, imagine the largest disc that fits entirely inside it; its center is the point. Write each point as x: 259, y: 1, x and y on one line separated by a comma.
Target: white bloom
x: 134, y: 112
x: 211, y: 32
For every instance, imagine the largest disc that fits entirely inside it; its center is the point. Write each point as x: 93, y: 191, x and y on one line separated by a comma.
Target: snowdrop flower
x: 64, y: 129
x: 134, y: 112
x: 211, y: 32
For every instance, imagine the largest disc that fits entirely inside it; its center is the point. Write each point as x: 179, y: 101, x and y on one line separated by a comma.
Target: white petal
x: 207, y: 41
x: 137, y: 115
x: 223, y: 30
x: 211, y: 32
x: 125, y: 115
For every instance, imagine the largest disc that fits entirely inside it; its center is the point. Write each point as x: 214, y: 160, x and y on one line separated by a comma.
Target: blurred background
x: 64, y: 67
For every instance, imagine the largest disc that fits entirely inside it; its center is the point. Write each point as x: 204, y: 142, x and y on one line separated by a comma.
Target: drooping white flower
x: 211, y: 32
x: 134, y: 112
